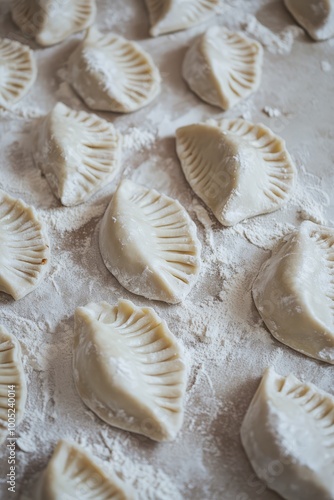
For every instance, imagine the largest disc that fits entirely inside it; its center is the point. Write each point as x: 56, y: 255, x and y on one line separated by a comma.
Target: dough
x: 18, y: 71
x: 112, y: 74
x: 71, y: 474
x: 222, y: 67
x: 24, y: 247
x: 149, y: 243
x: 78, y: 152
x: 288, y: 436
x: 51, y: 21
x: 238, y: 169
x: 294, y: 291
x: 128, y: 368
x: 316, y: 16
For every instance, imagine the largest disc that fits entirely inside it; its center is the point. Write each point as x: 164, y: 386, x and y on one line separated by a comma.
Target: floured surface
x: 227, y: 345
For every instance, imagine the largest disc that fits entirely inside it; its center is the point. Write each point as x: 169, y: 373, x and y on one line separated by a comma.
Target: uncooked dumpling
x: 288, y: 436
x: 78, y: 152
x: 128, y: 368
x: 149, y: 243
x: 51, y: 21
x: 167, y: 16
x: 18, y: 71
x: 294, y: 291
x: 112, y: 74
x: 13, y: 388
x: 222, y: 67
x: 71, y: 474
x: 24, y: 247
x: 316, y: 16
x: 238, y: 169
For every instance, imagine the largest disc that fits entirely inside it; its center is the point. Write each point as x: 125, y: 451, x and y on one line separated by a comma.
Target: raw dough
x: 128, y: 368
x: 78, y: 152
x: 294, y: 291
x: 222, y: 67
x: 316, y: 16
x: 238, y: 169
x: 288, y: 436
x: 149, y: 243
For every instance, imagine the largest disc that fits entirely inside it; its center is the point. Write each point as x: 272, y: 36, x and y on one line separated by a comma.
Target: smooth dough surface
x: 149, y: 243
x: 223, y: 67
x: 72, y: 474
x: 111, y: 73
x: 24, y: 247
x: 18, y: 71
x: 294, y: 291
x: 51, y: 21
x: 315, y: 16
x: 77, y: 151
x: 167, y: 16
x: 129, y: 369
x: 237, y: 168
x: 288, y: 436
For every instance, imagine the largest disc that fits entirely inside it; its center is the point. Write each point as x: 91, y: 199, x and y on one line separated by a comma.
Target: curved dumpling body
x: 72, y: 474
x: 167, y: 16
x: 78, y: 152
x: 316, y: 16
x: 13, y: 388
x: 288, y: 436
x: 149, y: 243
x: 18, y: 71
x: 112, y: 74
x: 222, y: 67
x: 128, y: 368
x: 294, y: 291
x: 238, y: 169
x: 52, y: 21
x: 24, y: 247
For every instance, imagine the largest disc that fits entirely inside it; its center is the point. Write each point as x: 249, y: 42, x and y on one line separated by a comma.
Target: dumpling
x: 128, y: 368
x: 222, y: 67
x: 24, y: 247
x: 288, y: 436
x: 72, y: 474
x: 112, y: 74
x: 167, y: 16
x: 316, y: 16
x: 294, y: 291
x: 13, y: 388
x: 238, y: 169
x: 78, y: 152
x: 18, y: 71
x: 149, y: 243
x: 51, y: 21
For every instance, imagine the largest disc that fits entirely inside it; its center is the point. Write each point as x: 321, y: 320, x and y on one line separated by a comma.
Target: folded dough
x: 316, y: 16
x: 288, y: 436
x: 238, y: 169
x: 128, y: 368
x: 78, y: 152
x: 223, y: 67
x: 294, y: 291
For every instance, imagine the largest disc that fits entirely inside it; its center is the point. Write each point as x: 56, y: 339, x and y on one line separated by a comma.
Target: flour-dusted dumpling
x: 167, y: 16
x: 149, y: 243
x: 13, y: 388
x: 316, y: 16
x: 294, y: 291
x: 18, y: 71
x: 238, y: 169
x: 222, y: 67
x: 288, y: 436
x: 51, y: 21
x: 78, y: 152
x: 72, y: 474
x: 129, y: 369
x: 112, y: 74
x: 24, y: 247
